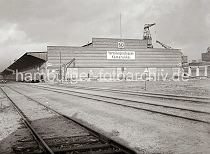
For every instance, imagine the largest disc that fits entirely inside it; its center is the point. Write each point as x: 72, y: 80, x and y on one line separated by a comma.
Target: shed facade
x: 116, y: 56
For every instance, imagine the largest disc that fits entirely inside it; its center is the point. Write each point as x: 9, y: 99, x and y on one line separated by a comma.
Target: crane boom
x: 163, y: 45
x: 148, y: 25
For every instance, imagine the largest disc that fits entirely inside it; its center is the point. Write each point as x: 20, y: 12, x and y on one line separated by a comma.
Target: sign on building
x: 121, y: 55
x: 121, y: 45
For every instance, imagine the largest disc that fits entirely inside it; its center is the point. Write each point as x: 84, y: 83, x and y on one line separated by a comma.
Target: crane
x: 163, y: 45
x: 147, y: 35
x: 67, y: 65
x: 208, y: 49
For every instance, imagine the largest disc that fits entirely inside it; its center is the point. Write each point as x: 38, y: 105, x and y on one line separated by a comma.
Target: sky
x: 32, y: 25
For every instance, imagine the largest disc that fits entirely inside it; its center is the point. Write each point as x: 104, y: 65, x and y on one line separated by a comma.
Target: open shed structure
x: 29, y: 63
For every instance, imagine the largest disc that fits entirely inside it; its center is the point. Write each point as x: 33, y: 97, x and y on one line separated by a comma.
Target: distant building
x: 206, y: 56
x: 184, y: 59
x: 199, y: 68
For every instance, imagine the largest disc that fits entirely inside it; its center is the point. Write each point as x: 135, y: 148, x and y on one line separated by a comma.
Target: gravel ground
x: 11, y: 128
x: 13, y: 139
x: 199, y: 106
x: 190, y: 88
x: 144, y: 131
x: 9, y: 119
x: 176, y: 103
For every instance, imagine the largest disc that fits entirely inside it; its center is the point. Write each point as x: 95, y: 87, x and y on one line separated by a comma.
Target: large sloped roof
x: 29, y: 59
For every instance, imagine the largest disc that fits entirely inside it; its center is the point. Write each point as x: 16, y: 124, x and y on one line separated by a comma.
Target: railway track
x: 87, y: 141
x: 166, y: 110
x: 149, y: 94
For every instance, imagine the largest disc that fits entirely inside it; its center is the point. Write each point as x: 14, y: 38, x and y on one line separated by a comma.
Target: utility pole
x: 120, y: 26
x: 146, y: 74
x: 60, y: 71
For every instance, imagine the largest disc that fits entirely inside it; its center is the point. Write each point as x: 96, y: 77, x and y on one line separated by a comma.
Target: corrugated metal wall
x: 93, y: 58
x: 97, y: 57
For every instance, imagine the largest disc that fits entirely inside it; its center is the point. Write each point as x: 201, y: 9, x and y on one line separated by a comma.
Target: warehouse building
x: 101, y: 59
x: 111, y: 58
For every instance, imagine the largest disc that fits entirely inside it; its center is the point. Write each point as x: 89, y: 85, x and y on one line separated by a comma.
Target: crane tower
x: 147, y: 35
